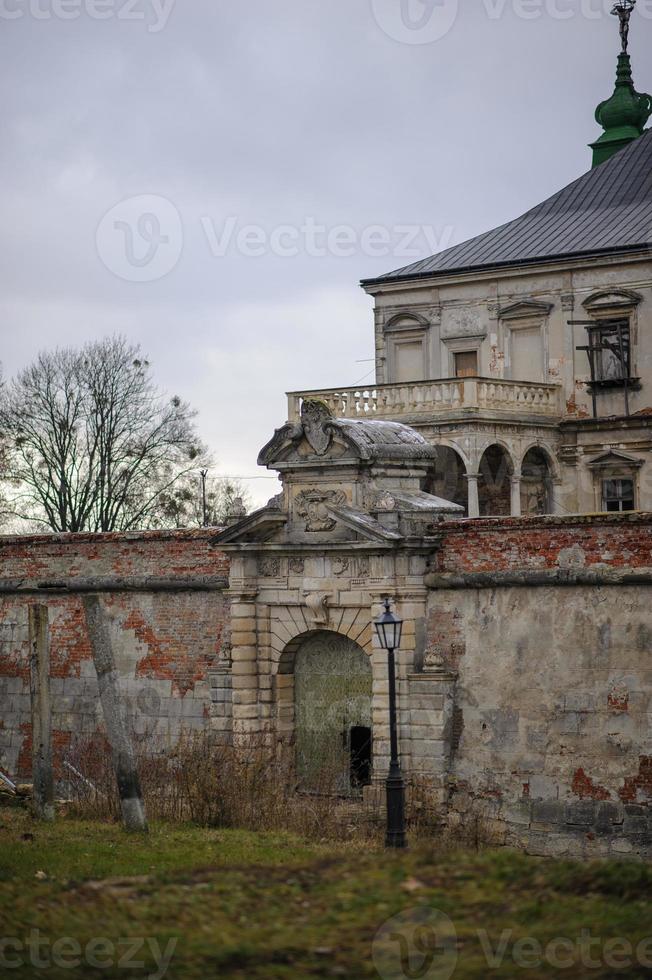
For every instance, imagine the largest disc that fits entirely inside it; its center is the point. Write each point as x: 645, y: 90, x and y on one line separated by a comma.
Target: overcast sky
x: 213, y: 179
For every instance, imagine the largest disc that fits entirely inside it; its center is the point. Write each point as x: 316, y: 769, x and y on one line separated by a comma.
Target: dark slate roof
x: 609, y: 209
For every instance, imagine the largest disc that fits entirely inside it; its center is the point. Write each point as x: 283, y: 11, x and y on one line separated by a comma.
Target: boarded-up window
x: 408, y: 361
x: 466, y: 364
x: 526, y: 360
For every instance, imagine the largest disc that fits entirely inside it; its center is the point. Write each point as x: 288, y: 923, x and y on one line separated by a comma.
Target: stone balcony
x: 428, y: 401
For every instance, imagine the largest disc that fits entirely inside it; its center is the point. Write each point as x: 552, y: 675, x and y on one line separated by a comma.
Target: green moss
x: 260, y: 906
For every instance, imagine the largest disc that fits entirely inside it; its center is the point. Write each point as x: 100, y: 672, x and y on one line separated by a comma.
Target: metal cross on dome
x: 623, y: 10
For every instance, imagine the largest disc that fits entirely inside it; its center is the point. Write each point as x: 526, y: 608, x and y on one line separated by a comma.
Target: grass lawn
x: 223, y: 903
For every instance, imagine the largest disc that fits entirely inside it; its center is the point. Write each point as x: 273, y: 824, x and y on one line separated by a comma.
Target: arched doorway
x: 495, y: 483
x: 448, y: 480
x: 536, y: 483
x: 332, y: 713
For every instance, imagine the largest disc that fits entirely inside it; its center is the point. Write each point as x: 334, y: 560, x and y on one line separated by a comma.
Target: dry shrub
x: 253, y: 787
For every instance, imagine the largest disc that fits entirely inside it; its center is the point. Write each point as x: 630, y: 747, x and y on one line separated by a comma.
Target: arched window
x: 495, y: 483
x: 536, y: 483
x: 449, y: 478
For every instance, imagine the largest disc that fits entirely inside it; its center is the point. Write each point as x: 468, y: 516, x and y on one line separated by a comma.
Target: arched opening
x: 536, y: 483
x: 332, y: 714
x: 495, y: 483
x: 449, y: 478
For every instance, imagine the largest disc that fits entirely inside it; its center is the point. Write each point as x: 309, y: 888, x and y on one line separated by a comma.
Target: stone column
x: 244, y: 641
x: 516, y: 496
x: 473, y: 494
x: 556, y: 494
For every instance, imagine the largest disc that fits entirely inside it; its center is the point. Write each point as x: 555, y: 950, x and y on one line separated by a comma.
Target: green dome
x: 623, y: 116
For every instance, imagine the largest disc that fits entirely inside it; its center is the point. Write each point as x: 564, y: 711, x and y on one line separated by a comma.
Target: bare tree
x: 224, y: 498
x: 94, y: 445
x: 5, y: 513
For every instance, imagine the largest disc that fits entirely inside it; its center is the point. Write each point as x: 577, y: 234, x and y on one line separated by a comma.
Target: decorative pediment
x: 364, y: 525
x: 610, y: 299
x: 319, y: 434
x: 524, y: 308
x: 260, y: 526
x: 613, y: 458
x: 406, y: 321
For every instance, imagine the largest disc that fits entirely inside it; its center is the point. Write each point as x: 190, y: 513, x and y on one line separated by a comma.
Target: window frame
x: 619, y: 498
x: 460, y: 353
x: 610, y: 324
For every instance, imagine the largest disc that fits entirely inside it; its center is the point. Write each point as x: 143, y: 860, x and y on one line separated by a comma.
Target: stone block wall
x: 168, y: 615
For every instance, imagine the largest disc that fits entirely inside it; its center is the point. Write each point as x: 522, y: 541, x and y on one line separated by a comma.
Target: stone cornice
x: 563, y: 264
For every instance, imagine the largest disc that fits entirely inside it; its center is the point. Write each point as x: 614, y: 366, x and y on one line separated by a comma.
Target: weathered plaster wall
x: 552, y: 744
x: 164, y: 597
x: 526, y: 694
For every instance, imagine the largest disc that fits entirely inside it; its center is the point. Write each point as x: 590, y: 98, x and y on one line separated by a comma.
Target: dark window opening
x: 466, y: 364
x: 611, y: 351
x: 360, y: 749
x: 618, y: 496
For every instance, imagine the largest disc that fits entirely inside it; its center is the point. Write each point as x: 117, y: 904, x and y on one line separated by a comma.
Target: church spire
x: 624, y: 115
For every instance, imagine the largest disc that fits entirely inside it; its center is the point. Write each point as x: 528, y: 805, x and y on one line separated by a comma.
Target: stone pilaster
x: 432, y: 703
x: 244, y: 670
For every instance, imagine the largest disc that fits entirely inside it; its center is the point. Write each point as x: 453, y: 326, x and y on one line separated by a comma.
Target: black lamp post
x: 389, y: 628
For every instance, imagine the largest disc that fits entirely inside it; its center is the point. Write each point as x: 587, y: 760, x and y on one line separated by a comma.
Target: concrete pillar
x: 122, y: 750
x: 473, y: 494
x: 516, y: 496
x: 39, y: 664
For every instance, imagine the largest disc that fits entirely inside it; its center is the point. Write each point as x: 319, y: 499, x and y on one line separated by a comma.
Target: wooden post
x: 122, y: 753
x: 39, y: 687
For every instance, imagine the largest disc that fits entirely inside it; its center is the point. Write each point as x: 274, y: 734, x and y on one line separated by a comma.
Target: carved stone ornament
x: 362, y: 567
x: 314, y: 418
x: 435, y: 665
x: 269, y: 567
x: 297, y: 566
x: 568, y: 302
x: 378, y: 500
x: 317, y: 603
x: 311, y: 504
x: 340, y: 566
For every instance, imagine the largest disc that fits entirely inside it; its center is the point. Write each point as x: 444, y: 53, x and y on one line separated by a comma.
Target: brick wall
x: 529, y: 543
x: 167, y: 642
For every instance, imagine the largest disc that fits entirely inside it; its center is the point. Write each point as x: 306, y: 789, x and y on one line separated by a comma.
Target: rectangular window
x: 466, y: 364
x: 618, y: 495
x: 610, y: 340
x: 409, y: 361
x: 526, y: 354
